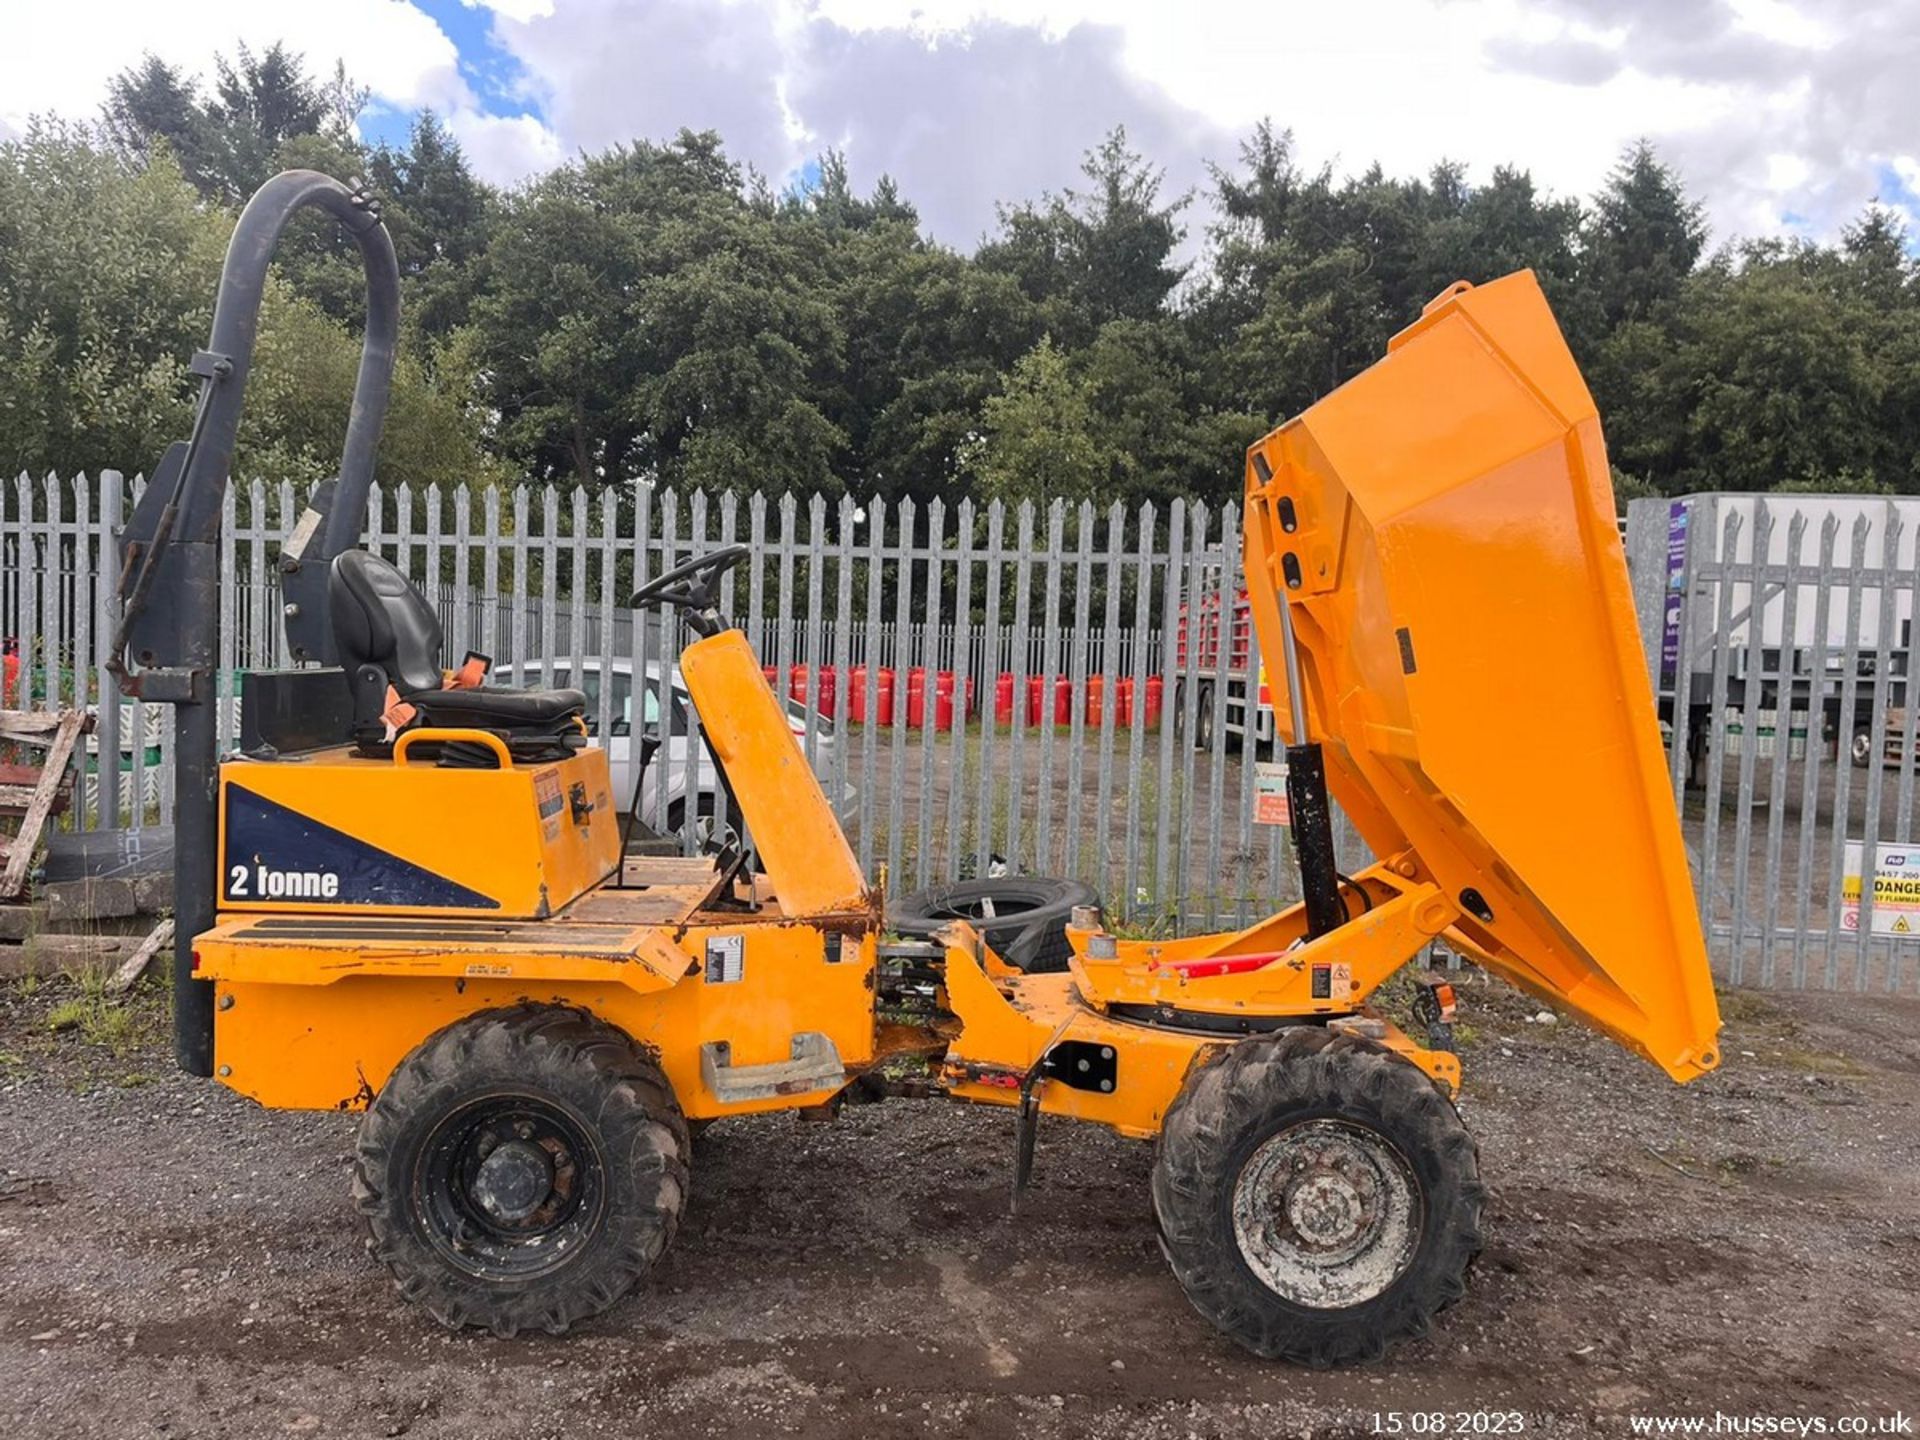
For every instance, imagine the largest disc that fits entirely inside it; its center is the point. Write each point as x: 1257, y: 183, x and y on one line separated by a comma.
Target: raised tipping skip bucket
x: 1442, y: 530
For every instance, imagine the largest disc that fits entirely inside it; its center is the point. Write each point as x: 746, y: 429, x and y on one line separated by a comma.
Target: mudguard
x: 1441, y: 531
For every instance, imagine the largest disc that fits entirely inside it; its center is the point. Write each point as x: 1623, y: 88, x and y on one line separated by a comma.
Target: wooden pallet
x: 34, y: 792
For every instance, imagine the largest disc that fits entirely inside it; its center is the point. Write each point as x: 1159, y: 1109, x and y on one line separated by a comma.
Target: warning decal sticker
x: 1270, y: 805
x: 726, y: 959
x: 1896, y: 889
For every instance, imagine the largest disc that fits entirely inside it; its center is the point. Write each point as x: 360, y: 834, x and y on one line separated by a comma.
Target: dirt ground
x: 176, y: 1262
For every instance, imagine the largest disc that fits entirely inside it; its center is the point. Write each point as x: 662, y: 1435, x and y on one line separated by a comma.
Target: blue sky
x: 1785, y: 116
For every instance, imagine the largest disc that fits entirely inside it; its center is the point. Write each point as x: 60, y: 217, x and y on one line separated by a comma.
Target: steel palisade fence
x: 860, y: 590
x: 865, y: 590
x: 1779, y: 633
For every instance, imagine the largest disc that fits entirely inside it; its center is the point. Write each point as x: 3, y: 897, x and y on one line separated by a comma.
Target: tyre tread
x: 1308, y: 1068
x: 634, y: 1097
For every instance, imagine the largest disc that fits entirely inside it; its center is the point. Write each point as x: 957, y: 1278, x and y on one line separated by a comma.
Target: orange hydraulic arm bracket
x: 799, y: 840
x: 1270, y: 969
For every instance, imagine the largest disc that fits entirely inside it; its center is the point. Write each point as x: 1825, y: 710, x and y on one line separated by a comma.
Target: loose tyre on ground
x: 1023, y: 917
x: 523, y: 1168
x: 1317, y: 1197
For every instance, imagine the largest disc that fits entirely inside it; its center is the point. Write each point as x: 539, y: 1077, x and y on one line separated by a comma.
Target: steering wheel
x: 693, y: 587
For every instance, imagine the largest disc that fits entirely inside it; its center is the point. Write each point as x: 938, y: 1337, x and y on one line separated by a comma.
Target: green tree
x: 154, y: 103
x: 928, y: 335
x: 1643, y: 239
x: 106, y: 286
x: 1105, y: 253
x: 108, y: 270
x: 262, y: 102
x: 230, y: 142
x: 1039, y: 439
x: 1783, y: 380
x: 440, y: 217
x: 647, y: 316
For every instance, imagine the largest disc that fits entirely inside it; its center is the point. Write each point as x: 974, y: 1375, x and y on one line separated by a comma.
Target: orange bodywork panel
x: 795, y: 833
x: 1009, y: 1021
x: 335, y: 831
x: 1441, y: 533
x: 315, y: 1011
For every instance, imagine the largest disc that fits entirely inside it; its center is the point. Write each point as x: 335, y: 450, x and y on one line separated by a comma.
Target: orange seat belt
x: 471, y: 675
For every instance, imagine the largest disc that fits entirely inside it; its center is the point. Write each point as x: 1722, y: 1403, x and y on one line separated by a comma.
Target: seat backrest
x: 380, y: 620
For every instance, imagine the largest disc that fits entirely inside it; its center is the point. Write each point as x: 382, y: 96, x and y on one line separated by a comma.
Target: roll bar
x: 169, y: 552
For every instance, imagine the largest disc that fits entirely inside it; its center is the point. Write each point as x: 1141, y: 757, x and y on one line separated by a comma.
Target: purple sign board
x: 1676, y: 591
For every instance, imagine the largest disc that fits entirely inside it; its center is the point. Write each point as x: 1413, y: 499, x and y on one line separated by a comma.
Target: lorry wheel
x: 1203, y: 718
x: 523, y: 1168
x: 1862, y: 750
x: 1317, y: 1196
x: 710, y: 835
x: 1023, y: 917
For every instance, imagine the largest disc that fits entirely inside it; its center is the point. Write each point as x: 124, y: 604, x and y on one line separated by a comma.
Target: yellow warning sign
x: 1896, y: 888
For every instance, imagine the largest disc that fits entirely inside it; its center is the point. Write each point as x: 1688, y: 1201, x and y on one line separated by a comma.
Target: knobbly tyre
x: 532, y: 1004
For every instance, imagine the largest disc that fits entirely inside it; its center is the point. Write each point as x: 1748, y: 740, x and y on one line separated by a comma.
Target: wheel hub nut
x: 1325, y: 1210
x: 513, y: 1181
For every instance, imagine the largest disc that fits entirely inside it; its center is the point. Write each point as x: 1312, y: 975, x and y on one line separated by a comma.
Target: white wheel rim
x: 1326, y: 1214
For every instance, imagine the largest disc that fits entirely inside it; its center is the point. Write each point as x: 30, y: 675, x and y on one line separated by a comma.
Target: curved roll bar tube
x: 169, y: 551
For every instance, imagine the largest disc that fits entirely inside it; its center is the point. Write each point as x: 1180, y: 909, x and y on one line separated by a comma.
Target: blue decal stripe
x: 266, y: 839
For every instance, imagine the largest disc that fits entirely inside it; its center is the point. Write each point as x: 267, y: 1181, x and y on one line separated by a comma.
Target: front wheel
x: 523, y: 1168
x: 1317, y: 1197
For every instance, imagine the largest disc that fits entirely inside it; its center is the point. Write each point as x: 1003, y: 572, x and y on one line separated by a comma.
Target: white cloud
x: 505, y: 149
x: 970, y: 101
x: 1811, y: 102
x: 60, y: 58
x: 1783, y: 114
x: 607, y: 71
x: 513, y: 9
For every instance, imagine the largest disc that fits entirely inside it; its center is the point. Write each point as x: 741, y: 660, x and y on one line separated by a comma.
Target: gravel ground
x: 176, y: 1262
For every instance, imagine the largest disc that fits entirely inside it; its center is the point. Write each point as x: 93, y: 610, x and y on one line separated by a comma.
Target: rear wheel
x: 1203, y: 718
x: 1862, y: 750
x: 523, y: 1168
x: 1317, y: 1197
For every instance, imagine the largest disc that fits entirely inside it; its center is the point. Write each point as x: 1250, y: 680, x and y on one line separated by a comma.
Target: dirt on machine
x: 414, y: 893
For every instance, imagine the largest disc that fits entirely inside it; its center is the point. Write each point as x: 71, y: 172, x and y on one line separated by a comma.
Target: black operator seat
x: 385, y: 633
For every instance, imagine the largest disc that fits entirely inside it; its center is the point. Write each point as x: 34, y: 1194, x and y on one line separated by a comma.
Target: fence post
x: 1816, y: 751
x: 107, y: 612
x: 902, y: 659
x: 962, y: 677
x: 923, y: 872
x: 990, y: 673
x: 1172, y: 699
